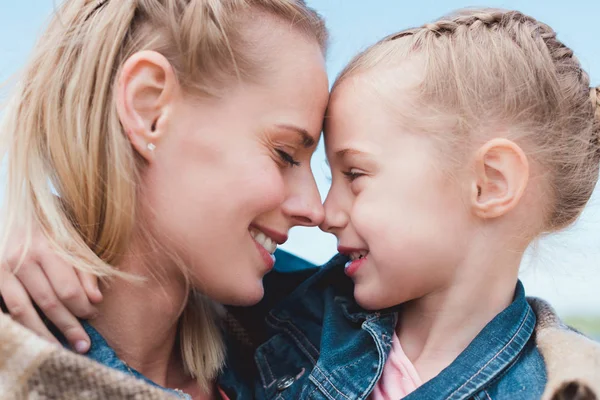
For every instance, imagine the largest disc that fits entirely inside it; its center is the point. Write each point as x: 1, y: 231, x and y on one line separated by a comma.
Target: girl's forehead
x: 372, y: 101
x: 385, y: 83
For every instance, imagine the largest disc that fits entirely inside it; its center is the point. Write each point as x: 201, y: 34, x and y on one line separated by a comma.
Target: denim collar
x: 495, y: 349
x: 101, y: 352
x: 490, y: 354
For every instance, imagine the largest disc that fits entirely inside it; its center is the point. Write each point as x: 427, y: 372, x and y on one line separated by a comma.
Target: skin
x: 437, y: 238
x: 258, y: 139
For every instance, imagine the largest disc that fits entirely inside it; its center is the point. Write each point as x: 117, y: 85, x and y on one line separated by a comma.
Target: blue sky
x: 564, y: 267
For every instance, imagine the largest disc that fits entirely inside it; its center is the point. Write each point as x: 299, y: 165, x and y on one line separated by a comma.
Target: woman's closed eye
x: 286, y: 158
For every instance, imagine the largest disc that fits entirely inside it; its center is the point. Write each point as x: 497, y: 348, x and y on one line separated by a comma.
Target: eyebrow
x: 348, y: 152
x: 305, y: 139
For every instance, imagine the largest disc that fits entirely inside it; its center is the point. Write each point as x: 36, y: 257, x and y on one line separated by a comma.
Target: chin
x: 246, y: 296
x: 363, y: 299
x: 368, y: 299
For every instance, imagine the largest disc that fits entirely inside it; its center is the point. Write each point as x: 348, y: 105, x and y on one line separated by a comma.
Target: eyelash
x: 286, y: 158
x: 351, y: 176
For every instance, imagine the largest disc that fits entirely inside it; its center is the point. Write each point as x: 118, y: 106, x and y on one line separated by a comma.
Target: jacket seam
x: 506, y: 371
x: 513, y: 338
x: 321, y: 387
x: 294, y: 335
x: 380, y: 364
x: 313, y: 390
x: 347, y: 366
x: 265, y: 385
x: 331, y: 383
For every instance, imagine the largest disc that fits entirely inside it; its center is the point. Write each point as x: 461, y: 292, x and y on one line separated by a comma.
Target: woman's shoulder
x: 572, y: 360
x: 39, y: 369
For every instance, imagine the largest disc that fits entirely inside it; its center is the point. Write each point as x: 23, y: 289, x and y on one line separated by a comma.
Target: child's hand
x: 60, y: 291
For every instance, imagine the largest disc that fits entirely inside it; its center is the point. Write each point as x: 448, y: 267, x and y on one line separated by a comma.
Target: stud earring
x: 151, y: 146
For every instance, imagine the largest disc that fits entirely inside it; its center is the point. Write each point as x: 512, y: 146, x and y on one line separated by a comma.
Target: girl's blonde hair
x: 71, y: 168
x: 488, y: 68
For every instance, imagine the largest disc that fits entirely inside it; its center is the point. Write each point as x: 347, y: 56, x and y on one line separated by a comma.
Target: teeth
x: 358, y: 255
x: 269, y: 244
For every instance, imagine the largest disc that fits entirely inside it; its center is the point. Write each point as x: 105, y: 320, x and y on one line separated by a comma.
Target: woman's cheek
x: 268, y: 187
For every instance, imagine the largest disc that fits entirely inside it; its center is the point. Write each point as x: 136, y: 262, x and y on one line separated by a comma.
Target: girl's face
x: 233, y: 175
x: 391, y: 206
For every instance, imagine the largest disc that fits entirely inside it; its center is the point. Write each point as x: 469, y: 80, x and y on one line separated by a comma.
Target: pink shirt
x: 399, y: 378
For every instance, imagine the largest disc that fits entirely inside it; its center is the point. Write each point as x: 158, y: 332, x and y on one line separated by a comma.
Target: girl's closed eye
x: 353, y: 173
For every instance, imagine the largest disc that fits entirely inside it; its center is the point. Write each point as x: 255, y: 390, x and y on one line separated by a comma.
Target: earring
x: 151, y: 146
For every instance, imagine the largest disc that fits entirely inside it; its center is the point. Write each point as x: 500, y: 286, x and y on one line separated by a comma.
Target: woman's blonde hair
x: 489, y: 68
x: 71, y: 168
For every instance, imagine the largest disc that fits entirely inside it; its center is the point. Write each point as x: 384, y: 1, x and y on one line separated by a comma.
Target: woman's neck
x: 435, y: 329
x: 139, y: 321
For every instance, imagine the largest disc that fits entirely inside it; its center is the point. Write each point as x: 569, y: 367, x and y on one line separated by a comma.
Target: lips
x: 353, y: 252
x: 266, y: 242
x: 279, y: 238
x: 357, y: 256
x: 352, y: 267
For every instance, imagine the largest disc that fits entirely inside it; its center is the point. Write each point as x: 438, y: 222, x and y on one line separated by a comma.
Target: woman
x: 131, y: 124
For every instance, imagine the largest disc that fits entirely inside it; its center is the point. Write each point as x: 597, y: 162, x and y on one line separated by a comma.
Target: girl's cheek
x: 366, y: 214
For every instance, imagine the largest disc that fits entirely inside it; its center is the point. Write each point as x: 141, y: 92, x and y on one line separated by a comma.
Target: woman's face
x: 233, y: 175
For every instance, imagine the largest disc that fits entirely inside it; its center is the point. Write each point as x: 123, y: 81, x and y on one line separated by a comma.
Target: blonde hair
x: 71, y: 168
x: 484, y: 68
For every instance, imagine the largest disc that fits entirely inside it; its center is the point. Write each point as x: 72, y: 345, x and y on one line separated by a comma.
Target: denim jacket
x: 309, y: 339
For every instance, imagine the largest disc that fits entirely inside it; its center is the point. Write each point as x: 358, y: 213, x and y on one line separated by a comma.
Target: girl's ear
x: 501, y: 176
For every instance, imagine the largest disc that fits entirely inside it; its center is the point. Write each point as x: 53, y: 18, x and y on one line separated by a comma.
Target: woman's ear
x: 145, y: 92
x: 501, y: 176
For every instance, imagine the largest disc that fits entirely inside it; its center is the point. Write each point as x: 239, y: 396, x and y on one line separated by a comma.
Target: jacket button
x: 285, y: 382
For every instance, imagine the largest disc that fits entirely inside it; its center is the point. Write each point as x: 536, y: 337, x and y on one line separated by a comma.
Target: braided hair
x: 498, y: 72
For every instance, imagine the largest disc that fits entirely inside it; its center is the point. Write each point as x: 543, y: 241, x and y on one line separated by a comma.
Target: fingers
x: 20, y: 307
x: 66, y: 284
x: 90, y: 285
x: 43, y: 295
x: 54, y: 286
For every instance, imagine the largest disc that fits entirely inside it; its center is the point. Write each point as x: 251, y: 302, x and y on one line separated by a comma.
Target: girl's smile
x: 357, y: 256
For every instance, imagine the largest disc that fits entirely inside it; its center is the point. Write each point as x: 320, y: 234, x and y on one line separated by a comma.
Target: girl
x: 123, y: 149
x: 452, y: 147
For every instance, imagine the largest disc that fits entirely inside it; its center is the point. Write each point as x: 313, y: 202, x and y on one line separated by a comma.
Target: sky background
x: 563, y: 268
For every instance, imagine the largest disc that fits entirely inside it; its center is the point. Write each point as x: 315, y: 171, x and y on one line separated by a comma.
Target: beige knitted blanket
x: 33, y: 369
x: 572, y: 360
